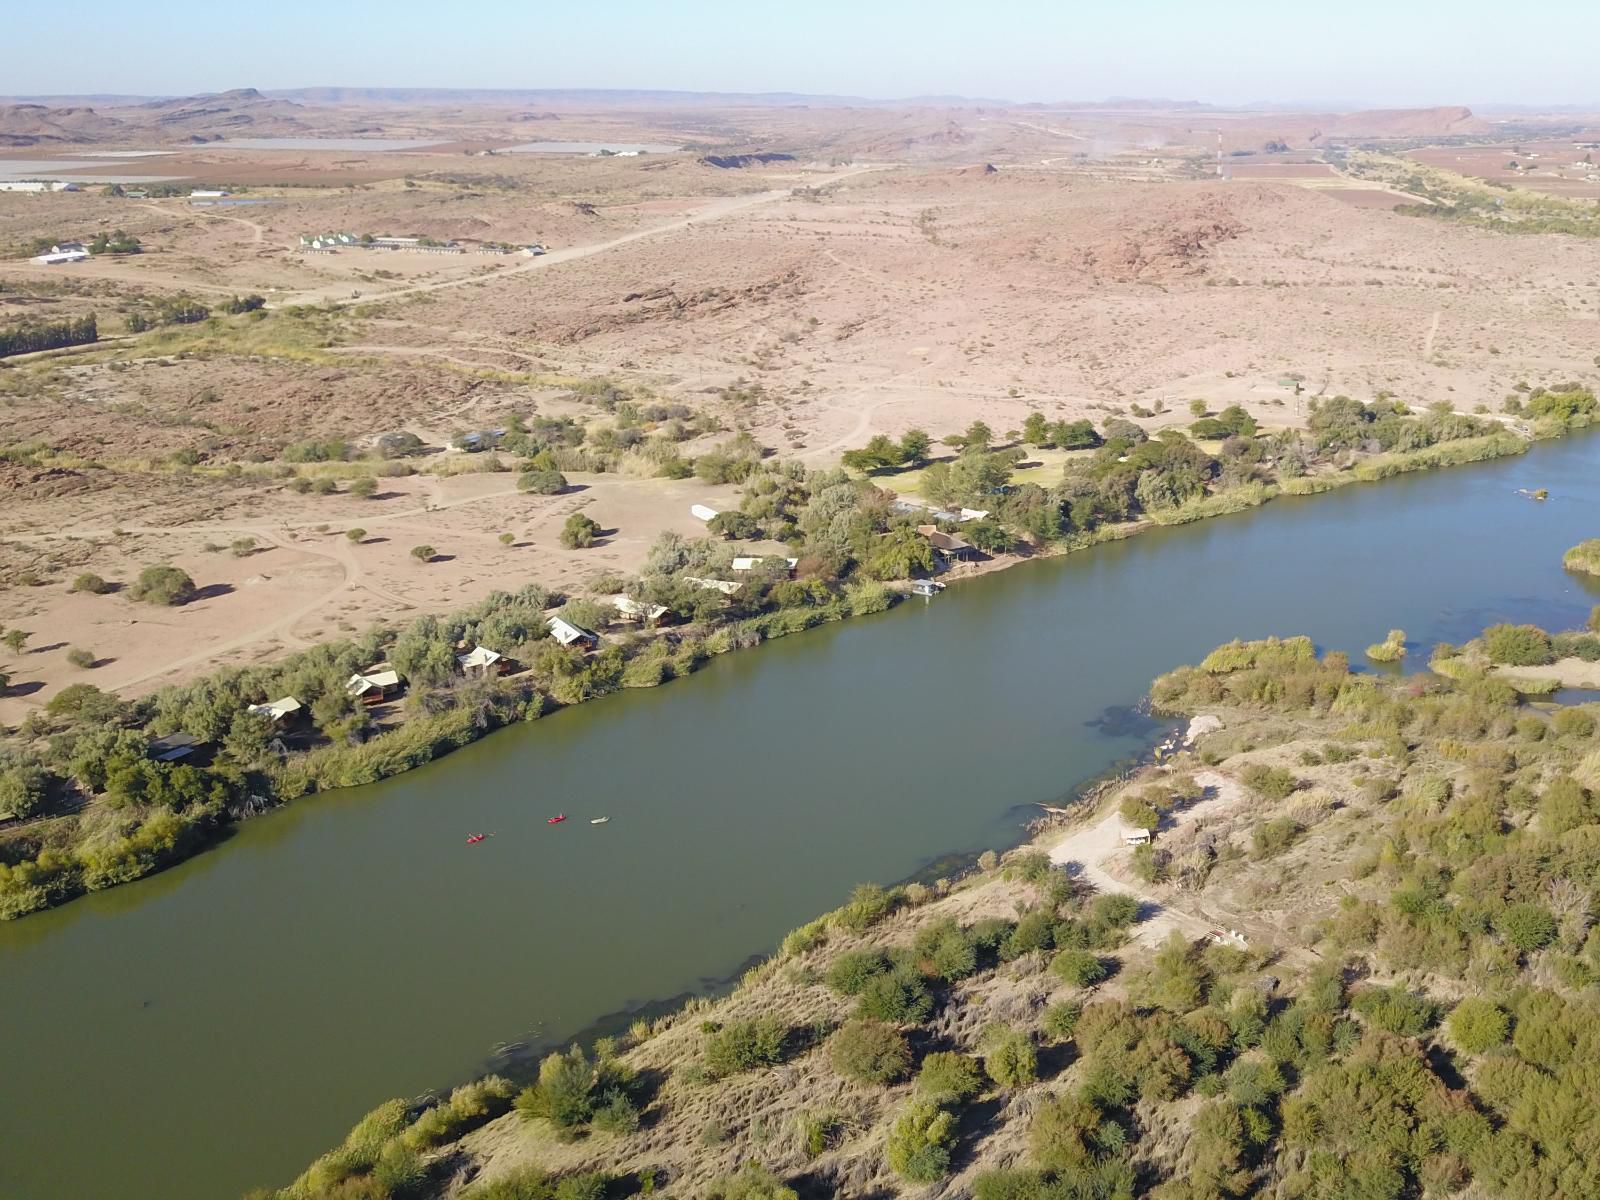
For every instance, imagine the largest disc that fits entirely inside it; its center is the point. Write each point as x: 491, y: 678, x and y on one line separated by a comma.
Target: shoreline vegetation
x: 1352, y: 952
x: 84, y: 805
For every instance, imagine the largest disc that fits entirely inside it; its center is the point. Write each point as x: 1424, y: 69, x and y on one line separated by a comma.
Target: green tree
x: 1036, y: 430
x: 915, y: 446
x: 16, y: 639
x: 1197, y: 408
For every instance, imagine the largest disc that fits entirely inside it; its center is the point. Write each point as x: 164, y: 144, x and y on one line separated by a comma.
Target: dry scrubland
x: 908, y: 269
x: 1357, y: 960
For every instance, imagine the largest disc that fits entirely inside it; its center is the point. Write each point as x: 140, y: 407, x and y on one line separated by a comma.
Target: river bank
x: 49, y: 862
x: 864, y: 751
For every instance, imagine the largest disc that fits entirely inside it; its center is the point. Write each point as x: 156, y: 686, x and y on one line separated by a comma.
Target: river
x: 217, y: 1026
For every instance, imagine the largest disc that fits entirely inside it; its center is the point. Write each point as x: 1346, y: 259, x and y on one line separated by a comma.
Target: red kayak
x: 556, y: 820
x: 475, y: 838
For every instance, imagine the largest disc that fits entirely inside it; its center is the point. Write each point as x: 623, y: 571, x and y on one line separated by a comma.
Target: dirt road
x: 714, y: 211
x: 1091, y: 848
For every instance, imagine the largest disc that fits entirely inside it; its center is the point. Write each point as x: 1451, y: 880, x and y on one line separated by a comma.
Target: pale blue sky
x: 1376, y: 52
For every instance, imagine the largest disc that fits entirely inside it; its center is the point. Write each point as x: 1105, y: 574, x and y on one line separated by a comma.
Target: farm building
x: 568, y: 634
x: 726, y: 586
x: 57, y: 257
x: 482, y: 663
x: 750, y: 564
x: 948, y: 546
x: 278, y: 712
x: 174, y: 746
x: 634, y: 610
x: 374, y: 686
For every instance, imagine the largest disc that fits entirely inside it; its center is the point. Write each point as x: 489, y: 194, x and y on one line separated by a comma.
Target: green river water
x: 217, y: 1026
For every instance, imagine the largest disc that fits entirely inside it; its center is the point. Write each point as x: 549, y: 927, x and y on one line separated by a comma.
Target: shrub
x: 355, y: 536
x: 579, y: 532
x: 546, y: 482
x: 91, y: 583
x: 1396, y: 1010
x: 562, y: 1095
x: 1274, y: 837
x: 1391, y: 649
x: 744, y: 1045
x: 947, y: 1078
x: 1517, y: 645
x: 423, y: 553
x: 1078, y: 968
x: 753, y: 1182
x: 868, y: 904
x: 1477, y: 1025
x: 365, y: 487
x: 919, y: 1143
x: 899, y: 997
x: 869, y: 1052
x: 1270, y: 783
x: 617, y: 1115
x: 1061, y: 1020
x: 79, y: 657
x: 1528, y: 927
x: 1585, y: 557
x: 163, y: 585
x: 854, y: 969
x: 1009, y: 1057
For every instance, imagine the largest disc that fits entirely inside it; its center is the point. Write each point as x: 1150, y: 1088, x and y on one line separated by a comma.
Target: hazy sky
x: 1378, y: 52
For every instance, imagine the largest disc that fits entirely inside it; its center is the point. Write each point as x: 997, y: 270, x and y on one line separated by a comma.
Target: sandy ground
x: 1568, y: 672
x: 906, y: 269
x: 1096, y: 852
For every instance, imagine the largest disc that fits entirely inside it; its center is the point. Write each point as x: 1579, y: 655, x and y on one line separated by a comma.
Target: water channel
x: 215, y: 1027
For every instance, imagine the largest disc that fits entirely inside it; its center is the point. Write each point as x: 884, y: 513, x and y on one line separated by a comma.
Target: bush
x: 1477, y: 1025
x: 365, y: 487
x: 617, y: 1115
x: 1528, y: 927
x: 899, y: 997
x: 80, y: 657
x: 1517, y: 645
x: 869, y: 1052
x: 1078, y: 968
x: 744, y: 1045
x: 423, y: 553
x: 867, y: 905
x: 753, y: 1182
x: 1391, y: 649
x: 947, y: 1078
x: 1396, y: 1010
x: 1061, y: 1020
x: 547, y: 482
x: 91, y: 583
x: 919, y: 1143
x: 1270, y: 783
x: 563, y: 1094
x: 579, y: 532
x: 854, y: 969
x: 1009, y: 1057
x: 163, y: 585
x: 355, y: 536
